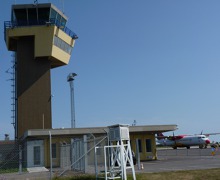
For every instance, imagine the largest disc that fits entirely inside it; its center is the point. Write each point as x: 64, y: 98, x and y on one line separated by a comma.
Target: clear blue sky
x: 156, y: 62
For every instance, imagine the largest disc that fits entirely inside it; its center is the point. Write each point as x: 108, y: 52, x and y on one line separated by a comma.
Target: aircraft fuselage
x: 185, y: 141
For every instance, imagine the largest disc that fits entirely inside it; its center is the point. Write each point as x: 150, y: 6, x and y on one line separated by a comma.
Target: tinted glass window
x: 43, y: 14
x: 62, y: 45
x: 53, y: 14
x: 148, y: 145
x: 21, y: 15
x: 32, y: 16
x: 140, y: 145
x: 58, y: 17
x: 63, y: 22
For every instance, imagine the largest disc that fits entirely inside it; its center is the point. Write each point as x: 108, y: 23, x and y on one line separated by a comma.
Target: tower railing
x: 51, y: 22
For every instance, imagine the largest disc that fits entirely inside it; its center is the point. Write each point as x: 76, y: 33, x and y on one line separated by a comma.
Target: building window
x: 148, y: 145
x: 62, y: 45
x: 36, y: 155
x: 54, y: 151
x: 139, y: 145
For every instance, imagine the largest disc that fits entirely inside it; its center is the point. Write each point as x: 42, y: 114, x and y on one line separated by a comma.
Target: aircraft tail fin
x: 160, y: 136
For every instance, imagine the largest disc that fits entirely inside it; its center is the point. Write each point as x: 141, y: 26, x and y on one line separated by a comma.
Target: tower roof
x: 21, y: 11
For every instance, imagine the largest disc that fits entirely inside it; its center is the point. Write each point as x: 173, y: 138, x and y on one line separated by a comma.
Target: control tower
x: 38, y: 35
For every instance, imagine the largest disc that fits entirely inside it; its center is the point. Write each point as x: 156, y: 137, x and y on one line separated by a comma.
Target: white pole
x: 70, y: 79
x: 138, y: 155
x: 20, y: 159
x: 105, y: 163
x: 86, y: 153
x: 72, y: 105
x: 96, y: 172
x: 50, y: 156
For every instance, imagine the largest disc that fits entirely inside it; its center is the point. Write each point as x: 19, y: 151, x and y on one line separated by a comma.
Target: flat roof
x: 148, y: 129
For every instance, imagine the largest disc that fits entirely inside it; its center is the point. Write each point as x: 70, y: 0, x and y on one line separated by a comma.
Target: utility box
x: 119, y: 132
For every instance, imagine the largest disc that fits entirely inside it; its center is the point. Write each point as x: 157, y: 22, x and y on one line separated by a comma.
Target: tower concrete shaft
x: 33, y: 88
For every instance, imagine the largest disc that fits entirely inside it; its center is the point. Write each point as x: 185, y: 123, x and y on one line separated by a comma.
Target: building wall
x: 58, y: 142
x: 145, y: 154
x: 43, y: 42
x: 33, y: 88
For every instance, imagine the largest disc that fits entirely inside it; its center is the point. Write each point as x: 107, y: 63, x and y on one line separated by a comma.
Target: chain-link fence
x: 52, y: 154
x: 9, y: 155
x: 82, y: 154
x: 68, y: 155
x: 193, y: 151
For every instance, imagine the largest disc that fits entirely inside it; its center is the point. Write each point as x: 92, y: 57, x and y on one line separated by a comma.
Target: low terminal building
x: 71, y: 143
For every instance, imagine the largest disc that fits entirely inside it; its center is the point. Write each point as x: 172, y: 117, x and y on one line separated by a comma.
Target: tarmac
x: 168, y: 160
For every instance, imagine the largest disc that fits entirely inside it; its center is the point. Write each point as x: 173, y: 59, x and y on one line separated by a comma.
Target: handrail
x: 52, y: 21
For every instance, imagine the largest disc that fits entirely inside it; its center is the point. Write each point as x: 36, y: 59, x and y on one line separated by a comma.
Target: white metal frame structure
x: 118, y: 156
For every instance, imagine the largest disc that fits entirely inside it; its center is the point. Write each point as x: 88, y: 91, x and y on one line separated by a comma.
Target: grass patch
x: 12, y: 170
x: 77, y: 177
x: 207, y: 174
x: 211, y: 174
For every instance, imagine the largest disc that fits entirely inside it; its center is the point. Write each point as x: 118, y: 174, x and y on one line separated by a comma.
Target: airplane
x: 200, y: 140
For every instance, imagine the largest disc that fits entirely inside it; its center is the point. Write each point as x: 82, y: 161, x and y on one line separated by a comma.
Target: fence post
x: 50, y: 156
x: 20, y: 159
x: 138, y: 154
x: 85, y: 152
x: 96, y: 171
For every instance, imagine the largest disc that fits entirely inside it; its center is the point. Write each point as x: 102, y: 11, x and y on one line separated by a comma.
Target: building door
x: 37, y: 155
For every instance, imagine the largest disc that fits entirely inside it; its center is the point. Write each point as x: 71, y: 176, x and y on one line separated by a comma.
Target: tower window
x: 62, y: 45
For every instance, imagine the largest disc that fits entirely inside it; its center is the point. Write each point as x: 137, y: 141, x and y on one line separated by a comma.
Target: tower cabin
x: 38, y: 35
x: 47, y: 24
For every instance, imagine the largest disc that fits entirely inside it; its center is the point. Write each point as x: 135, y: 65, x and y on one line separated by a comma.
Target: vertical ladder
x: 12, y: 72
